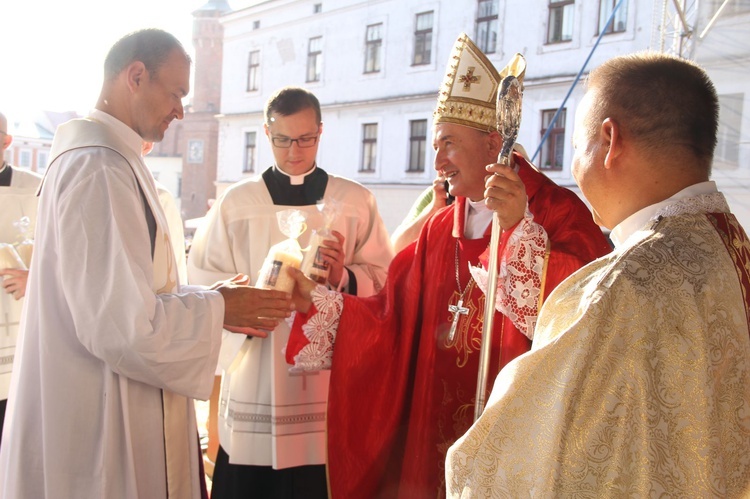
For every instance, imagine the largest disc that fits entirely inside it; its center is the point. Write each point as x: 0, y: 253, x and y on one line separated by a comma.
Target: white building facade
x: 377, y: 65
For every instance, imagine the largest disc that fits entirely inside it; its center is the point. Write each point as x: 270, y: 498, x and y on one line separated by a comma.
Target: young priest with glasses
x: 272, y: 423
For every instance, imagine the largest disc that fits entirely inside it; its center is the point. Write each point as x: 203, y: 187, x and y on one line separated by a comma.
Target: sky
x: 52, y: 51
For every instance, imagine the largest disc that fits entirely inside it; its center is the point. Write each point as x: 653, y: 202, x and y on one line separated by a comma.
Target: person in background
x: 113, y: 346
x: 430, y: 201
x: 405, y: 362
x: 638, y: 383
x: 272, y: 422
x: 18, y: 199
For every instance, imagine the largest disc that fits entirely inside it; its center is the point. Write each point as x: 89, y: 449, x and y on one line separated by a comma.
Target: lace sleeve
x: 320, y: 329
x: 519, y: 277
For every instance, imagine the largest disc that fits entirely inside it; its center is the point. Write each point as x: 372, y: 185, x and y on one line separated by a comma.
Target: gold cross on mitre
x: 469, y: 78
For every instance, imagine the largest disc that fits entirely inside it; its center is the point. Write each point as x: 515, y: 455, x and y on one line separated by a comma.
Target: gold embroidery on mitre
x: 469, y: 89
x: 472, y: 81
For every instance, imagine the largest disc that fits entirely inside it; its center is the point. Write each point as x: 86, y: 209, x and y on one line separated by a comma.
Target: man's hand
x: 250, y: 310
x: 439, y: 194
x: 333, y: 253
x: 14, y: 282
x: 505, y: 194
x: 302, y: 290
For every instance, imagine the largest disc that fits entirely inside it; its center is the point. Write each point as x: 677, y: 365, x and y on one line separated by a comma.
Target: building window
x: 195, y: 151
x: 253, y: 70
x: 560, y: 28
x: 250, y: 143
x: 486, y: 29
x: 620, y: 21
x: 373, y: 45
x: 369, y: 147
x: 24, y: 158
x: 42, y: 158
x: 314, y: 58
x: 317, y: 8
x: 553, y: 150
x: 727, y: 154
x: 417, y: 145
x: 423, y: 39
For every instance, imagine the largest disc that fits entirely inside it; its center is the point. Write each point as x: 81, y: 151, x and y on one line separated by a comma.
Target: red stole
x: 738, y: 246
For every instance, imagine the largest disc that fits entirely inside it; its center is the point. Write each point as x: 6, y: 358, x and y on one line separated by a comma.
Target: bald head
x: 146, y: 76
x: 152, y: 47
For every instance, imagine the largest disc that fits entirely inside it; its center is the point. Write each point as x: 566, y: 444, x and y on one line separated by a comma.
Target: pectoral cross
x: 457, y: 310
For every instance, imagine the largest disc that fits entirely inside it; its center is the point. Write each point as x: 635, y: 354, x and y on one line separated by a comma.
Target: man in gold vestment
x: 638, y: 381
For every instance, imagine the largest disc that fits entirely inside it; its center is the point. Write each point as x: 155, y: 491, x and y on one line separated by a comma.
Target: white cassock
x: 112, y: 348
x: 16, y: 201
x: 267, y: 415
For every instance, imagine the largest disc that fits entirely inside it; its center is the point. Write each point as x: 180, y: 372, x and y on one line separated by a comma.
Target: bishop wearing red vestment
x: 404, y: 362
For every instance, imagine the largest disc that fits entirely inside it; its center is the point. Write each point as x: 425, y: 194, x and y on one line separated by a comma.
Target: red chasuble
x: 401, y: 393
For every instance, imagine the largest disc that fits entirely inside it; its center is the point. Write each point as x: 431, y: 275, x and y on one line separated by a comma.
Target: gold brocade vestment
x: 638, y: 382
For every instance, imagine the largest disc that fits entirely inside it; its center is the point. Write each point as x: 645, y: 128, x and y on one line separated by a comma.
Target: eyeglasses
x: 286, y: 142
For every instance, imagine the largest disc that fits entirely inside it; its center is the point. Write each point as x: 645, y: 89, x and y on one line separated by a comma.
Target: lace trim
x: 519, y: 276
x: 703, y: 203
x: 320, y: 329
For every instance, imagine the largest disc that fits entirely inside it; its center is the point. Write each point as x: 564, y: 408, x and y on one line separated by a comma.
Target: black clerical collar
x: 279, y: 185
x: 6, y: 172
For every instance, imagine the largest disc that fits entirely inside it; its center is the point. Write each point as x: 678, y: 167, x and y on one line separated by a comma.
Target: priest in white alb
x: 112, y: 347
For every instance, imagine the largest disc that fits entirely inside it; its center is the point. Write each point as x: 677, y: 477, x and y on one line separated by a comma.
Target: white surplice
x: 267, y: 415
x: 106, y: 335
x: 16, y: 201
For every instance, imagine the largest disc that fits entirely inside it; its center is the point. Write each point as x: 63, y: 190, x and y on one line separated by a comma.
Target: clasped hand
x: 252, y: 311
x: 505, y: 194
x: 14, y: 282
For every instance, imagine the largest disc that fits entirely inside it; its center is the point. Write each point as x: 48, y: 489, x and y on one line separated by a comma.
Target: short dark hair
x: 150, y: 46
x: 290, y: 100
x: 662, y: 100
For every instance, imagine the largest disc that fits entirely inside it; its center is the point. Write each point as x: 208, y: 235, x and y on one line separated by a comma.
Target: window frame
x: 423, y: 39
x: 251, y: 150
x: 485, y: 45
x: 562, y: 7
x: 555, y: 140
x: 314, y: 70
x: 369, y: 149
x: 373, y: 49
x: 420, y: 142
x: 253, y: 71
x: 605, y: 10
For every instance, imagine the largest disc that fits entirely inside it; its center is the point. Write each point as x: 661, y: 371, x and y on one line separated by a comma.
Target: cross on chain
x: 457, y: 310
x: 469, y: 78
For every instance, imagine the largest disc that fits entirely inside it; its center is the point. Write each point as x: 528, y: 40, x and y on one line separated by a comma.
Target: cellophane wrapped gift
x: 314, y: 265
x: 25, y: 247
x: 287, y: 253
x: 9, y: 258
